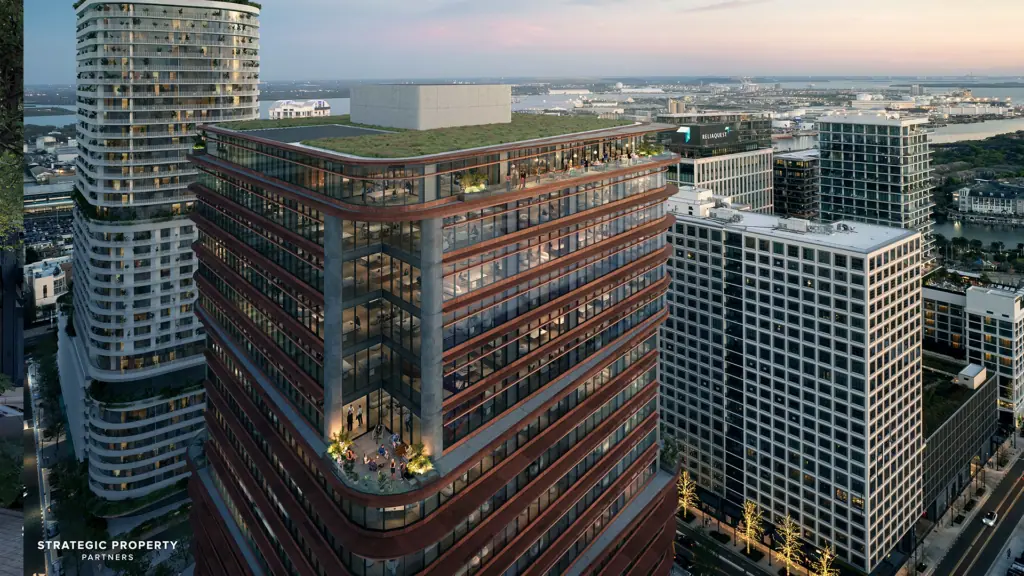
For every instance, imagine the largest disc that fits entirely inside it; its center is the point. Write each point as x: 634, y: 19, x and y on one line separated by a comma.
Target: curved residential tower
x: 131, y: 355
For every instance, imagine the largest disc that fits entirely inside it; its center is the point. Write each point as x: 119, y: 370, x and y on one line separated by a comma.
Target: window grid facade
x: 790, y: 376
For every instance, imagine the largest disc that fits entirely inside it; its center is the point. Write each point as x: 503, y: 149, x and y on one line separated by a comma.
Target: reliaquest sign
x: 705, y: 134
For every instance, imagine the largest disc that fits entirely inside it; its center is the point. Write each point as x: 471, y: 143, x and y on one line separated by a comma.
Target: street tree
x: 687, y: 493
x: 823, y: 564
x: 56, y: 429
x: 752, y: 528
x: 789, y: 543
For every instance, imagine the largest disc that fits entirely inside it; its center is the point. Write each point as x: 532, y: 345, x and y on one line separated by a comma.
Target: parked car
x: 990, y: 519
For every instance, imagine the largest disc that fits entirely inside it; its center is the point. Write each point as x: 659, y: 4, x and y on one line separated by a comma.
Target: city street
x: 39, y: 491
x: 731, y: 562
x: 979, y: 546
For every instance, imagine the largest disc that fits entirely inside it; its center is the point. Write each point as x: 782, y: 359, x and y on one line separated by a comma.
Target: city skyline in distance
x: 456, y: 38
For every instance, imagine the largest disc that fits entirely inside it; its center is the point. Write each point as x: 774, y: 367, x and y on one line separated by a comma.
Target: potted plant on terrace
x: 340, y: 443
x: 473, y: 182
x: 419, y: 463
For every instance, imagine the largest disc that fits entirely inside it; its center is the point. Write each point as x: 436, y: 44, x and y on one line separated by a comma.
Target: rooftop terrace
x: 942, y: 396
x: 339, y: 134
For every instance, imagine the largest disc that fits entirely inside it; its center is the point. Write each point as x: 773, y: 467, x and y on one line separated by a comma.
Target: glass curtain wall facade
x: 797, y: 178
x: 509, y: 330
x: 148, y: 73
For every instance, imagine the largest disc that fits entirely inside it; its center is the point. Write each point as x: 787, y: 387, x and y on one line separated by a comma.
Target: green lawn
x: 423, y: 142
x: 943, y: 364
x: 343, y: 119
x: 940, y: 402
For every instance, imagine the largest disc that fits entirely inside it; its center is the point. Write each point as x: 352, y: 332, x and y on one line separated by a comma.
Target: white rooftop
x: 811, y: 154
x: 843, y: 235
x: 972, y: 370
x: 873, y: 118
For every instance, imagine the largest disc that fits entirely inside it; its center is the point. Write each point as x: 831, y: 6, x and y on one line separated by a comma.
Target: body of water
x: 976, y: 131
x: 987, y: 234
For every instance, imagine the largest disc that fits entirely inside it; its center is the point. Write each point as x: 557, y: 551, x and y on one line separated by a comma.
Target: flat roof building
x: 468, y: 303
x: 797, y: 181
x: 299, y: 109
x: 727, y: 152
x: 876, y: 168
x: 791, y: 372
x: 985, y: 325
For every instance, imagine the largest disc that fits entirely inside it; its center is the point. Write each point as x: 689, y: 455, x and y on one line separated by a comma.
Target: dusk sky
x: 375, y: 39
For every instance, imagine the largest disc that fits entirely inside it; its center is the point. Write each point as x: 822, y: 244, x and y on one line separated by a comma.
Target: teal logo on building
x: 685, y: 130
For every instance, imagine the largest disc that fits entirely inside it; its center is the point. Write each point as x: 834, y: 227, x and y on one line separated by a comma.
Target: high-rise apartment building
x: 791, y: 371
x: 132, y: 362
x: 797, y: 181
x: 877, y: 169
x: 729, y: 153
x: 494, y: 308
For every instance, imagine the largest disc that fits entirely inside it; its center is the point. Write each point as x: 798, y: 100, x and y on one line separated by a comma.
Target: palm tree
x: 996, y: 247
x: 56, y: 429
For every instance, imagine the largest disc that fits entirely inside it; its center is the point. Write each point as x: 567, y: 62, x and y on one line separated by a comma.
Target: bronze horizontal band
x: 258, y: 299
x: 649, y: 197
x: 246, y: 252
x: 225, y: 456
x: 646, y: 554
x: 241, y: 504
x: 597, y: 286
x: 604, y: 319
x: 568, y: 538
x: 522, y: 542
x: 441, y: 208
x: 454, y: 558
x: 639, y: 526
x: 624, y: 343
x: 284, y: 497
x: 286, y: 365
x: 409, y: 539
x: 652, y: 229
x: 216, y: 553
x: 495, y: 254
x: 222, y: 204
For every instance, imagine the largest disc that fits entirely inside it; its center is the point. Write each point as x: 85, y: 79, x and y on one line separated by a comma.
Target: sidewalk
x: 938, y: 542
x: 736, y: 547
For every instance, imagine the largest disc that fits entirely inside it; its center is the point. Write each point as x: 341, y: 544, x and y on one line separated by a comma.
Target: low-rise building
x: 299, y: 109
x: 48, y: 280
x: 985, y: 324
x: 959, y: 425
x: 990, y: 197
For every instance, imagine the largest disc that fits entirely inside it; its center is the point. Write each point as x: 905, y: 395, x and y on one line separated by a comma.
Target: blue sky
x: 374, y: 39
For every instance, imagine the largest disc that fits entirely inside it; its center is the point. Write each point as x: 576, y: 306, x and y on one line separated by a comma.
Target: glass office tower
x: 494, y: 309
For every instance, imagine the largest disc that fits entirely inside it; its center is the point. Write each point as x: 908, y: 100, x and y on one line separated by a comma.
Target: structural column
x: 432, y: 328
x: 334, y: 404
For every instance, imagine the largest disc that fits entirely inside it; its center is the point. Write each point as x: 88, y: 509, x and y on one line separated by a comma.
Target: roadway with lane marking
x: 979, y: 546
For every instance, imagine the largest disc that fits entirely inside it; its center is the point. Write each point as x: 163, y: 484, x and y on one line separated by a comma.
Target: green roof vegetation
x: 342, y: 119
x: 943, y: 365
x: 942, y: 398
x: 425, y: 142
